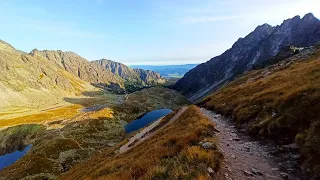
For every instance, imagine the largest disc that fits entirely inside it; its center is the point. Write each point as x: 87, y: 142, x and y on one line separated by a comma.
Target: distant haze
x: 176, y: 71
x: 144, y: 31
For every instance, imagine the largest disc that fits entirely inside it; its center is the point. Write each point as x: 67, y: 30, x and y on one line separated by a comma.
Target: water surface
x: 8, y: 159
x: 146, y: 119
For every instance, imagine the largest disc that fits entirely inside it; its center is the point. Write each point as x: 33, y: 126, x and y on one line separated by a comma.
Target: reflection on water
x: 146, y: 119
x: 8, y: 159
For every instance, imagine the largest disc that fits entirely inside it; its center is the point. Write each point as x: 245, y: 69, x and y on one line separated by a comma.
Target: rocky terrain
x: 103, y: 73
x: 28, y: 81
x: 246, y: 157
x: 279, y: 102
x: 81, y: 67
x: 145, y: 77
x: 259, y: 46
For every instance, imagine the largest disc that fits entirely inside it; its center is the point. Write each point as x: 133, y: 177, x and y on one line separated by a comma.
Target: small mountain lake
x: 8, y: 159
x: 146, y: 119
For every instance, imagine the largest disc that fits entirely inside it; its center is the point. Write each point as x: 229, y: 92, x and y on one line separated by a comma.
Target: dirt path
x: 147, y: 132
x: 244, y: 157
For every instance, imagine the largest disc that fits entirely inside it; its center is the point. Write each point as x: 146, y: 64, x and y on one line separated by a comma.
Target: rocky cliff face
x: 136, y: 75
x: 80, y: 67
x: 150, y: 77
x: 118, y: 69
x: 259, y: 46
x: 27, y: 80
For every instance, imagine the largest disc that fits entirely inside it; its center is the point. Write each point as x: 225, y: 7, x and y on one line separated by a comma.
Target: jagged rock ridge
x: 80, y: 67
x: 259, y: 46
x: 26, y: 80
x: 146, y: 77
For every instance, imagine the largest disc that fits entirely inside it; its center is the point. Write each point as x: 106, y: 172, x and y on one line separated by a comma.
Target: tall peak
x: 309, y: 16
x: 263, y: 27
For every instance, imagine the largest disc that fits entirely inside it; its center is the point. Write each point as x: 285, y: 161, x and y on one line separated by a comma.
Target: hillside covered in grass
x: 172, y: 153
x: 280, y: 102
x: 64, y: 137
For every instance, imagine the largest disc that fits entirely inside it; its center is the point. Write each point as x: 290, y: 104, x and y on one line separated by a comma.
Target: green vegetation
x: 172, y: 153
x: 16, y: 138
x: 280, y: 102
x: 141, y: 102
x: 132, y: 86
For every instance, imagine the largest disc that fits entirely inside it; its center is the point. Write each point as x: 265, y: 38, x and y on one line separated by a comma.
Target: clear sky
x: 141, y: 31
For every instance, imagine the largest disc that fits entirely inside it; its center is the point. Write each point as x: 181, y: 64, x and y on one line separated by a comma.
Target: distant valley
x: 168, y: 71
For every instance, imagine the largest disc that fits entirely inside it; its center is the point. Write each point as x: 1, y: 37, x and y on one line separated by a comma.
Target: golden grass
x: 104, y: 113
x: 283, y: 105
x: 276, y: 106
x: 48, y: 116
x: 67, y: 112
x: 172, y: 153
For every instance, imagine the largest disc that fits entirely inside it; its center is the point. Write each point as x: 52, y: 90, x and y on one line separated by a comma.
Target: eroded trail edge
x: 147, y: 132
x: 244, y: 158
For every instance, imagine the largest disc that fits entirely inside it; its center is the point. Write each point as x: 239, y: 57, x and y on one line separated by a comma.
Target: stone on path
x: 247, y: 173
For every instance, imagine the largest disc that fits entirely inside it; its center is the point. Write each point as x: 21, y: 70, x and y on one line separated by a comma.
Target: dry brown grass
x: 172, y: 153
x: 105, y: 113
x: 276, y: 106
x: 283, y: 105
x: 51, y: 115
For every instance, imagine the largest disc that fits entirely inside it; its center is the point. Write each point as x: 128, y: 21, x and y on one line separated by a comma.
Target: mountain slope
x: 117, y: 68
x: 80, y: 67
x: 172, y: 152
x: 66, y: 143
x: 280, y: 102
x: 26, y: 80
x: 150, y: 77
x: 129, y: 74
x: 260, y: 45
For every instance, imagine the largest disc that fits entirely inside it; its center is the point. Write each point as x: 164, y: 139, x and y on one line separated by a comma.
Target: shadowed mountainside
x: 280, y: 102
x: 260, y: 45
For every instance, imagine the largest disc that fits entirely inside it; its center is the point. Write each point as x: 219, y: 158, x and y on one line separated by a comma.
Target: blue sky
x: 141, y: 31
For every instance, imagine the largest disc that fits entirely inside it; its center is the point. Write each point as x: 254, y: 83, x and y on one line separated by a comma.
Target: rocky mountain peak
x: 257, y: 47
x: 34, y: 52
x: 309, y: 16
x: 264, y: 27
x: 258, y: 34
x: 129, y: 74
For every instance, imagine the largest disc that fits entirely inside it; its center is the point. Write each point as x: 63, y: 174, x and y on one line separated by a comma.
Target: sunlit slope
x: 27, y: 81
x: 172, y: 153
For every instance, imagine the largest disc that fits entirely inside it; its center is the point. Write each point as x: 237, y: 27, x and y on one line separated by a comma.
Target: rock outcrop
x: 80, y: 67
x: 145, y: 77
x: 27, y: 80
x: 150, y: 77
